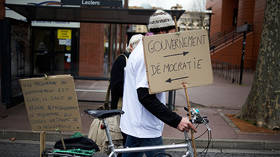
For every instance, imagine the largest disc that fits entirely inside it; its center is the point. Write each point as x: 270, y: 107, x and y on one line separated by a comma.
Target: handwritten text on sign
x: 173, y: 59
x: 51, y: 103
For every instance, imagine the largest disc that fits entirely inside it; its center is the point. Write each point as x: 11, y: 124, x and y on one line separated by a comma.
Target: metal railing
x: 223, y: 40
x: 231, y: 72
x: 227, y: 71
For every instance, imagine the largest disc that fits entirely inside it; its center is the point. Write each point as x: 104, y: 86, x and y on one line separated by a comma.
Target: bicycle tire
x: 162, y: 154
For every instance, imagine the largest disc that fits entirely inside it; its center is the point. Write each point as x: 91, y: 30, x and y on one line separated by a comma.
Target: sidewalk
x: 213, y: 101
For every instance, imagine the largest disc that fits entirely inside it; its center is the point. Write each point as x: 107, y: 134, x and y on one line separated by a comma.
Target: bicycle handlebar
x: 196, y: 118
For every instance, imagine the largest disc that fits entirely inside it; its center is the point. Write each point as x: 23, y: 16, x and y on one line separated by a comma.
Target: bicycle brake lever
x: 207, y: 126
x: 186, y: 109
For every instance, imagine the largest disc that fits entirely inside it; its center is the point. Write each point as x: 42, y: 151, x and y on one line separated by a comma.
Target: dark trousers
x: 139, y: 142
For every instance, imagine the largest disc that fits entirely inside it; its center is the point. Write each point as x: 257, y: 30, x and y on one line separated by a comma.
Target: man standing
x: 145, y: 113
x: 117, y: 76
x: 117, y: 73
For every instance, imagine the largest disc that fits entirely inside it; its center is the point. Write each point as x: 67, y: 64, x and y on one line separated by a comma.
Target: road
x: 31, y: 149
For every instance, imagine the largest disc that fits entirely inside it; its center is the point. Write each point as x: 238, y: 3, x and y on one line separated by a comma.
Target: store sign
x: 108, y: 3
x: 64, y: 33
x: 66, y: 42
x: 56, y: 24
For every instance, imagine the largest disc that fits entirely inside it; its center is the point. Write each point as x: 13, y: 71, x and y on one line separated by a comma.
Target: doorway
x: 55, y: 51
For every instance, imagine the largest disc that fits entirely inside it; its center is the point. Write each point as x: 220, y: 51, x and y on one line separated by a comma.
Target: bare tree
x: 262, y: 106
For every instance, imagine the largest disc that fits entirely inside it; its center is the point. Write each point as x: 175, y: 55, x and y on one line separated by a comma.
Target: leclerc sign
x: 108, y: 3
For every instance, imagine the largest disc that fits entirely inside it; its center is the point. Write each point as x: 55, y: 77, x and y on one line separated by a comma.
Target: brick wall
x: 258, y: 25
x: 216, y: 17
x: 91, y: 50
x: 227, y: 15
x: 251, y: 11
x: 222, y: 18
x: 245, y: 12
x: 2, y: 9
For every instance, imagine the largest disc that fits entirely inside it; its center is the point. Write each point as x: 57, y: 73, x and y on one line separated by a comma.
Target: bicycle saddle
x: 101, y: 114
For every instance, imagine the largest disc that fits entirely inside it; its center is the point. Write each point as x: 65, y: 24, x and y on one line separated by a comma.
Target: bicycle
x: 103, y: 114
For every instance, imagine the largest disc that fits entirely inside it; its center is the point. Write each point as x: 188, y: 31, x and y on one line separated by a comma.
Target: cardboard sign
x: 51, y: 103
x: 176, y: 58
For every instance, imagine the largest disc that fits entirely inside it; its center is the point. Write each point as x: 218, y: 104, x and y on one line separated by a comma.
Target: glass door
x: 55, y: 51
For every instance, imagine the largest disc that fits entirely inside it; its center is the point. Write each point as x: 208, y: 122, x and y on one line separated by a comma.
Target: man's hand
x: 185, y: 124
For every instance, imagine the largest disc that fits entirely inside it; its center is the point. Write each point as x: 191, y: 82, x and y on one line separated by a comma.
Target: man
x: 145, y: 113
x: 117, y: 76
x: 117, y: 72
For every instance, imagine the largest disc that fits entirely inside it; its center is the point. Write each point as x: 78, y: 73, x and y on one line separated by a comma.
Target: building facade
x: 82, y: 53
x: 30, y: 49
x: 226, y: 41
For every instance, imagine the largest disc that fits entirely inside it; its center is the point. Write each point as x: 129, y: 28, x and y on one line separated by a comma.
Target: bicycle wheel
x: 160, y: 154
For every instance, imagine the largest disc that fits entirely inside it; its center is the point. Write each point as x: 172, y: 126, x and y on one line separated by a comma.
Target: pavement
x: 214, y: 101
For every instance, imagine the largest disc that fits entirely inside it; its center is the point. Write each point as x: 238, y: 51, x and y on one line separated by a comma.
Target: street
x: 31, y: 149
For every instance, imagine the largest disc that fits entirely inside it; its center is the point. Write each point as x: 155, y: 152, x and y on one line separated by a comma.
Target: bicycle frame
x: 103, y: 114
x: 114, y: 151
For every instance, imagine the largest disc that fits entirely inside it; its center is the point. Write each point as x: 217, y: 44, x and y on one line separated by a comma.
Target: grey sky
x: 189, y: 5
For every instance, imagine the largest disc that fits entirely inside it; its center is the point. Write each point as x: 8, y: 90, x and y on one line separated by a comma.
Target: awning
x: 87, y: 14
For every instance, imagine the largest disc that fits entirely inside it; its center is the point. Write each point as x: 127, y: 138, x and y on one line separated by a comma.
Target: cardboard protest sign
x: 176, y: 58
x: 51, y: 103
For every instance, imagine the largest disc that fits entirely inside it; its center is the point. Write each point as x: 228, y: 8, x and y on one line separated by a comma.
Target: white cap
x: 134, y: 40
x: 160, y: 19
